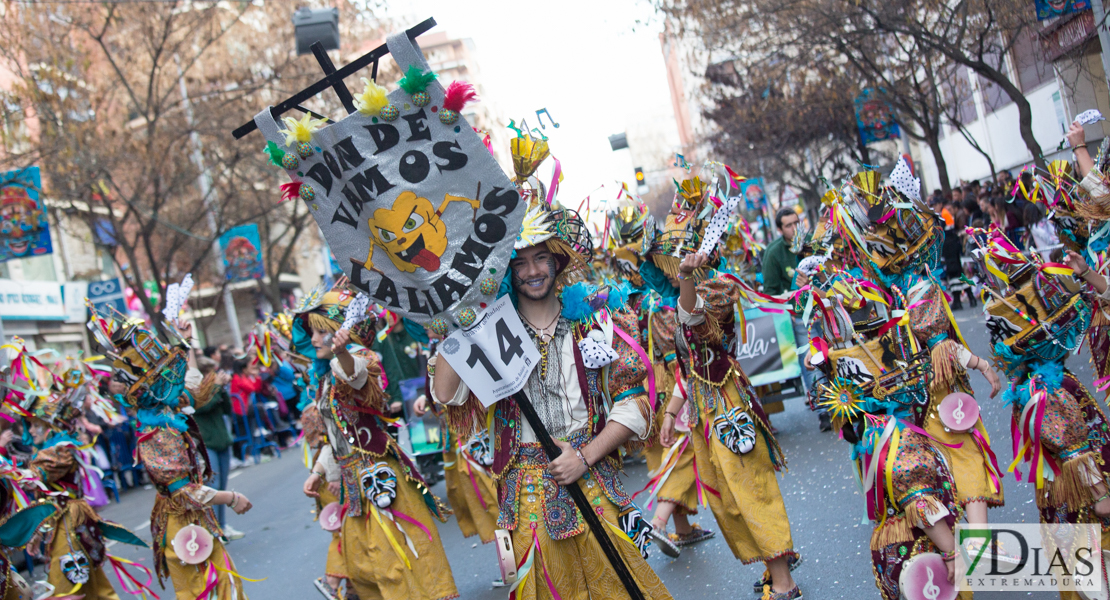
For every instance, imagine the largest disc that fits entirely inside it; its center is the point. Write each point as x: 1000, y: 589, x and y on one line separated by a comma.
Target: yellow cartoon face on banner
x: 411, y: 232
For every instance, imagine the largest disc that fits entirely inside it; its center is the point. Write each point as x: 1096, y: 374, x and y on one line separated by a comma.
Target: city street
x: 284, y: 545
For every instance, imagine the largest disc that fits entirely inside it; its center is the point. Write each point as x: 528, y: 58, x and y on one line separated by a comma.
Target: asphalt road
x: 284, y: 545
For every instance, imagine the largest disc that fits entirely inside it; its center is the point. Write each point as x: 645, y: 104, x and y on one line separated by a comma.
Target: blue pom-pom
x: 574, y: 296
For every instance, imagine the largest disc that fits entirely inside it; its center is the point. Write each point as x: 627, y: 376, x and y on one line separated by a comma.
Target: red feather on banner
x: 458, y: 94
x: 290, y: 191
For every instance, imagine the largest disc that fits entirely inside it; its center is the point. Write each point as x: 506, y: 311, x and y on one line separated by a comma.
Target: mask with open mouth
x: 379, y: 484
x: 736, y: 430
x: 75, y: 566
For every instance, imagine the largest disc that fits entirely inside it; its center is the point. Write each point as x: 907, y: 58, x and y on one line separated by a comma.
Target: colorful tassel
x: 372, y: 99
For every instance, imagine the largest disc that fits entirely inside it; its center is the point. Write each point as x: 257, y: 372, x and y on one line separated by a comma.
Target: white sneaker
x: 232, y: 533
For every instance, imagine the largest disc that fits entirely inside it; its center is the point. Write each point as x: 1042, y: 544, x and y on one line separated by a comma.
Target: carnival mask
x: 478, y: 448
x: 379, y: 484
x: 75, y: 566
x: 736, y: 430
x: 638, y: 529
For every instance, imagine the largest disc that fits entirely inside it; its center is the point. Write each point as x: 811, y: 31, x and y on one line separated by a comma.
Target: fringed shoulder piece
x: 720, y: 295
x: 206, y: 391
x: 55, y: 463
x: 315, y: 433
x: 371, y: 395
x: 466, y: 419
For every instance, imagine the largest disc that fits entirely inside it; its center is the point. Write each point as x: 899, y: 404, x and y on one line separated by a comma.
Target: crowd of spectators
x: 1004, y: 203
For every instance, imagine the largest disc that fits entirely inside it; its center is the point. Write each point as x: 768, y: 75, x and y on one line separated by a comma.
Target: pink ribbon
x: 473, y: 481
x: 397, y: 513
x: 989, y: 458
x: 210, y: 584
x: 643, y: 357
x: 121, y: 572
x: 551, y: 189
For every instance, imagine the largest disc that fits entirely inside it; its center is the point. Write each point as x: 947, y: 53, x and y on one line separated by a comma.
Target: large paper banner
x: 769, y: 355
x: 23, y: 227
x: 415, y: 208
x: 242, y: 250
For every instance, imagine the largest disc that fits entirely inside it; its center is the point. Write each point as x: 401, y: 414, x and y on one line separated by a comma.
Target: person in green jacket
x: 217, y: 438
x: 780, y: 275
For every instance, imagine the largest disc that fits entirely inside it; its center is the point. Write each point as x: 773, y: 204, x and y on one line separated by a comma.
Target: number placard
x: 495, y: 356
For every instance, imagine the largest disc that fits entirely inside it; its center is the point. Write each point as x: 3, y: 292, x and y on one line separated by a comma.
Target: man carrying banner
x: 557, y: 556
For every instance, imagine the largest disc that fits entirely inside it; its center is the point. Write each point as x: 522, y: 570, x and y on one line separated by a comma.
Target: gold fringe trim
x: 895, y: 530
x: 1072, y: 485
x: 946, y: 367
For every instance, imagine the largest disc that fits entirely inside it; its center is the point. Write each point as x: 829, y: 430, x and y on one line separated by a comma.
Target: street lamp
x: 316, y: 25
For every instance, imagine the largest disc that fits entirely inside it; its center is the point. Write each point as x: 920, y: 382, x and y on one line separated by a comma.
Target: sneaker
x: 770, y: 594
x: 666, y: 546
x: 232, y: 533
x: 697, y: 534
x: 764, y: 583
x: 325, y: 589
x: 499, y: 583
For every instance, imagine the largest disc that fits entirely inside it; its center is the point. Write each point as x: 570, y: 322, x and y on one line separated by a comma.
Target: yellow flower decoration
x: 372, y: 99
x: 300, y: 131
x: 535, y: 228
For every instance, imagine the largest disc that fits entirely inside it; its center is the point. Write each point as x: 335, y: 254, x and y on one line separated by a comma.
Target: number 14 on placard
x: 495, y: 356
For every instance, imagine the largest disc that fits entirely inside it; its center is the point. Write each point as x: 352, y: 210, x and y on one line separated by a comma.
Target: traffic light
x: 640, y: 176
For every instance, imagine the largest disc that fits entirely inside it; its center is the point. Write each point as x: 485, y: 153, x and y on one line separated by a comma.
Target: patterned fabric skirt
x: 573, y: 565
x: 472, y: 496
x: 395, y: 553
x: 336, y: 566
x: 743, y: 492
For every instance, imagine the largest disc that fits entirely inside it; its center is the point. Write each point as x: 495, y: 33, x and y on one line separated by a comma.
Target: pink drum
x: 959, y: 411
x: 330, y: 518
x: 192, y: 544
x: 925, y: 577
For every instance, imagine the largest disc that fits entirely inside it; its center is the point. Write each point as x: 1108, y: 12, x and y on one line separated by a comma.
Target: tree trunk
x: 942, y: 167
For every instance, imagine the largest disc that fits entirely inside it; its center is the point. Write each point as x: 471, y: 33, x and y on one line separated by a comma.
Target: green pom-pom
x: 275, y: 152
x: 415, y: 80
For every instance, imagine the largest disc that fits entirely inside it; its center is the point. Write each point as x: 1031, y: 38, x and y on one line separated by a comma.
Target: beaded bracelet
x: 950, y: 555
x: 583, y: 458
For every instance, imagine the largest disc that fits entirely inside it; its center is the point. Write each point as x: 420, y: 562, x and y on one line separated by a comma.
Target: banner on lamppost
x: 242, y: 250
x: 874, y: 118
x: 23, y: 226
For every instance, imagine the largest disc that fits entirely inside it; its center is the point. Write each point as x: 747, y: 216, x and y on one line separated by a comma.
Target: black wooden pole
x: 579, y: 498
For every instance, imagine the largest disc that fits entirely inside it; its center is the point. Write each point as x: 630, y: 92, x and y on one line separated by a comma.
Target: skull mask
x: 478, y: 448
x: 379, y: 484
x: 75, y: 566
x: 638, y: 530
x: 736, y: 430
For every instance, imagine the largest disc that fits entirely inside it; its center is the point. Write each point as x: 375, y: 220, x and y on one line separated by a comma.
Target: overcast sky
x: 589, y: 62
